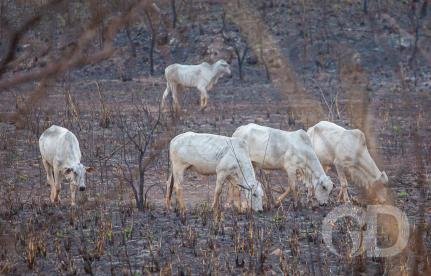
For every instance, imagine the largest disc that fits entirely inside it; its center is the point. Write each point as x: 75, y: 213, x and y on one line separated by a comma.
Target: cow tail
x: 171, y: 185
x: 169, y: 188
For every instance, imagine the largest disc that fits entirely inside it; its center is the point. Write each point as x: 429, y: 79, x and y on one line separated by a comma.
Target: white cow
x: 275, y: 149
x: 202, y: 76
x: 61, y: 156
x: 347, y: 151
x: 210, y: 154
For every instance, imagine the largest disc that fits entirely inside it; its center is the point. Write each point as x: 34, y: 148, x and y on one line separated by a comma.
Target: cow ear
x: 384, y: 177
x: 68, y: 171
x: 90, y: 169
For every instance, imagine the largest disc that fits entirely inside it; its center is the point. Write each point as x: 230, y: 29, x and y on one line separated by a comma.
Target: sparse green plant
x: 403, y: 194
x: 128, y: 232
x: 279, y: 220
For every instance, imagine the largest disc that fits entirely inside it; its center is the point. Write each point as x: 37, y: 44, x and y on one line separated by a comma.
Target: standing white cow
x: 275, y: 149
x: 347, y: 151
x: 202, y: 76
x: 61, y: 156
x: 210, y: 154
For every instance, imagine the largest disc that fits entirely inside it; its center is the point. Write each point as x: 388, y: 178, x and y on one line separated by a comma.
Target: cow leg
x: 221, y: 177
x: 343, y: 194
x: 165, y: 95
x: 204, y: 97
x: 176, y: 102
x: 72, y: 194
x: 178, y: 174
x: 291, y: 174
x: 168, y: 195
x: 55, y: 189
x: 49, y: 172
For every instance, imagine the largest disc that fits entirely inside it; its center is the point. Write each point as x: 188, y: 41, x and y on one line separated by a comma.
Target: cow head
x: 254, y: 196
x: 76, y: 175
x: 223, y: 67
x: 323, y: 188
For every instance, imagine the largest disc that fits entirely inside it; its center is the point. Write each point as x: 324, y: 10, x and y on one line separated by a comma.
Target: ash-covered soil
x: 107, y: 234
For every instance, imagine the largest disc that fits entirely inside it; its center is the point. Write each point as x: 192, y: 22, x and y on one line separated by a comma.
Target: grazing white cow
x: 347, y: 151
x: 275, y: 149
x: 210, y: 154
x: 61, y: 157
x: 202, y: 76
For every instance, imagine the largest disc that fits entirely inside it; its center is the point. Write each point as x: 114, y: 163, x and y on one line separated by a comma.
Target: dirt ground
x: 106, y: 233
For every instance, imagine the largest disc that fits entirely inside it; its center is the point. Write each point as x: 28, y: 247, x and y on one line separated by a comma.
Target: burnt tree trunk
x: 424, y: 9
x: 240, y: 58
x: 174, y: 14
x: 153, y: 41
x: 129, y: 38
x: 140, y: 194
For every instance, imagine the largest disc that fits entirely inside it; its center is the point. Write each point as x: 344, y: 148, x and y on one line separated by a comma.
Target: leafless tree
x: 77, y: 53
x: 144, y: 136
x: 174, y: 14
x: 240, y: 48
x: 153, y: 40
x: 129, y: 38
x: 154, y: 20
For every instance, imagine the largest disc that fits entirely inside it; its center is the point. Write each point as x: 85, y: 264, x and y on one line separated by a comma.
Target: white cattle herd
x: 302, y: 155
x: 234, y: 159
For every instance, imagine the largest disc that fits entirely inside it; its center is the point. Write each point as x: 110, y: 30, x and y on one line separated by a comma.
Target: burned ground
x: 335, y: 51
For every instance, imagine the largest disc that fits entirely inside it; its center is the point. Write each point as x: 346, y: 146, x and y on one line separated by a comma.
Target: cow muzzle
x: 82, y: 188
